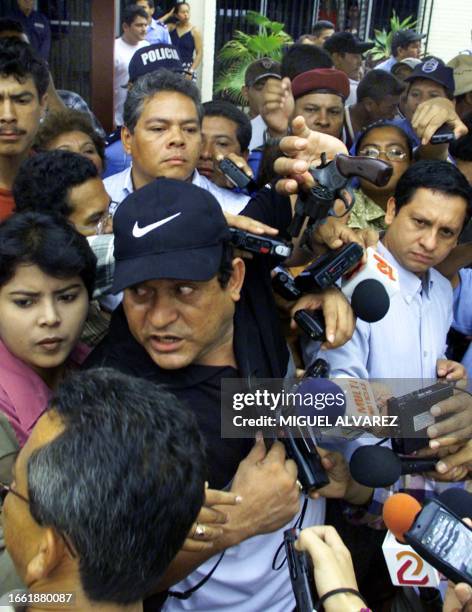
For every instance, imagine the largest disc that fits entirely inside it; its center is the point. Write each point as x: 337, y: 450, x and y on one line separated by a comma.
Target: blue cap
x: 435, y: 70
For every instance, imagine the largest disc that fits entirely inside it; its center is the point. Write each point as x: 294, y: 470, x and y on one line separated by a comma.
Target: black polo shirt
x: 259, y: 347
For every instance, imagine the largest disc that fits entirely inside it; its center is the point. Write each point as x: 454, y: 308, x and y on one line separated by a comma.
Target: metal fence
x: 71, y: 49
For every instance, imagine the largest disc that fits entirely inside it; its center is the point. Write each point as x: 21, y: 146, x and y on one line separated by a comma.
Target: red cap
x: 329, y: 80
x: 399, y: 513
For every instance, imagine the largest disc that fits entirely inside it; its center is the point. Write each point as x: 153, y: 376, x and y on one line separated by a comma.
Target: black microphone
x: 370, y: 301
x: 458, y: 501
x: 378, y: 466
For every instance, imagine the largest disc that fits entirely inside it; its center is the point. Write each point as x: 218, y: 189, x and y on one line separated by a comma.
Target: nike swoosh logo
x: 139, y: 232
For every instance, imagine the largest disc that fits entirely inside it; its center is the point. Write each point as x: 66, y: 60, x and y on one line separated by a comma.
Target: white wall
x: 203, y: 16
x: 451, y: 27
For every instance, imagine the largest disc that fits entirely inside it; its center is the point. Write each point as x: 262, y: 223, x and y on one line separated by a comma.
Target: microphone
x: 399, y: 513
x: 378, y: 466
x: 372, y: 299
x: 458, y: 501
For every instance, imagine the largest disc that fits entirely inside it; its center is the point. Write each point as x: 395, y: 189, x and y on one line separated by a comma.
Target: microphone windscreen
x: 370, y: 301
x: 399, y: 513
x: 375, y: 466
x: 458, y: 501
x: 320, y: 396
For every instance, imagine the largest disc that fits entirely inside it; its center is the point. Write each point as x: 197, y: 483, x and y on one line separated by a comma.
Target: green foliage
x: 383, y: 39
x: 243, y: 49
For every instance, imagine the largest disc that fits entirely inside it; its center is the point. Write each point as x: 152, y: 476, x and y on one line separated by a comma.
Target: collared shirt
x: 157, y: 33
x: 23, y: 393
x: 120, y: 185
x: 463, y: 314
x: 36, y: 27
x: 411, y: 337
x: 366, y: 213
x: 387, y: 64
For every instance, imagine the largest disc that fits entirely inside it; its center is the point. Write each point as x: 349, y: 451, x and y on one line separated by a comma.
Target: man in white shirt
x: 432, y: 203
x: 162, y: 133
x: 405, y: 43
x: 134, y: 23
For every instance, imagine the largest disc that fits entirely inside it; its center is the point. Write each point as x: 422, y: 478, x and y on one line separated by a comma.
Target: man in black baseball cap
x: 193, y: 314
x: 346, y: 52
x: 429, y: 80
x: 405, y: 43
x: 256, y: 75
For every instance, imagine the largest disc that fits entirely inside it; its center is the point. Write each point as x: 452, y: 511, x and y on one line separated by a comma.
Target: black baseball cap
x: 261, y: 69
x: 435, y: 70
x: 154, y: 57
x: 168, y: 229
x: 403, y: 38
x: 345, y: 42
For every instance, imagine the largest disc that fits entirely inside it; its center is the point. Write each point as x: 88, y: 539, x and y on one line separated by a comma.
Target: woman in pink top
x: 47, y: 272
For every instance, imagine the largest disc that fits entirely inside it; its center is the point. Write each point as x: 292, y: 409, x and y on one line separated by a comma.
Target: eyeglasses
x: 101, y: 224
x: 393, y: 153
x: 5, y: 490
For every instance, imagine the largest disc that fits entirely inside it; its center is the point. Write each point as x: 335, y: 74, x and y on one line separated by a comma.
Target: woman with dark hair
x: 71, y: 130
x: 47, y: 273
x: 186, y: 38
x: 384, y: 140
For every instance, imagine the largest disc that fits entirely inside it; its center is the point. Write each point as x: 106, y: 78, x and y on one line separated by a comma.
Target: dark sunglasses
x: 5, y: 490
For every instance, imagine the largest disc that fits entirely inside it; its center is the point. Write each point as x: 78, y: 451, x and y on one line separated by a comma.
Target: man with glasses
x: 99, y: 541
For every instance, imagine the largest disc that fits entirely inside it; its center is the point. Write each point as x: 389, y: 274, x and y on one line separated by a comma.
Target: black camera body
x: 300, y: 567
x: 413, y: 416
x: 236, y: 176
x: 261, y: 245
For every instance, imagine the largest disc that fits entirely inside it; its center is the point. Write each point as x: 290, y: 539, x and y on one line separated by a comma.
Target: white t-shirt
x: 122, y: 55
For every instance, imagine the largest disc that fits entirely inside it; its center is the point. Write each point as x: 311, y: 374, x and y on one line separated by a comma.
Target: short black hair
x: 462, y: 148
x: 377, y: 84
x: 130, y: 13
x: 49, y: 242
x: 19, y: 60
x: 322, y: 25
x: 10, y: 25
x: 152, y: 83
x: 299, y: 58
x: 441, y: 176
x: 123, y: 482
x: 221, y: 108
x: 44, y: 180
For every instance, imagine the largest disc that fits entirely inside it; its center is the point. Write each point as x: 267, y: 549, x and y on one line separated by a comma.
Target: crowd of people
x: 124, y: 304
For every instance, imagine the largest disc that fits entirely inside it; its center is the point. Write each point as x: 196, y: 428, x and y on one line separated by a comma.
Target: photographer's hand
x: 332, y: 565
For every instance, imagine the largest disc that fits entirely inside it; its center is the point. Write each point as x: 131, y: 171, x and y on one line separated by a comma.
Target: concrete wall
x: 203, y: 16
x: 451, y: 27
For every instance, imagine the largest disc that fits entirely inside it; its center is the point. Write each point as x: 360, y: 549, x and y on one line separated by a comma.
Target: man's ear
x: 43, y: 103
x: 368, y: 104
x: 244, y: 93
x: 391, y: 210
x: 126, y: 138
x: 50, y: 552
x: 237, y: 278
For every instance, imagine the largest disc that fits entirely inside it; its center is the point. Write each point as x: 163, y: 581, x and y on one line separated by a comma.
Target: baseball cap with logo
x: 261, y: 69
x: 435, y: 70
x: 462, y: 67
x: 168, y: 229
x: 322, y: 80
x: 345, y: 42
x: 154, y: 57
